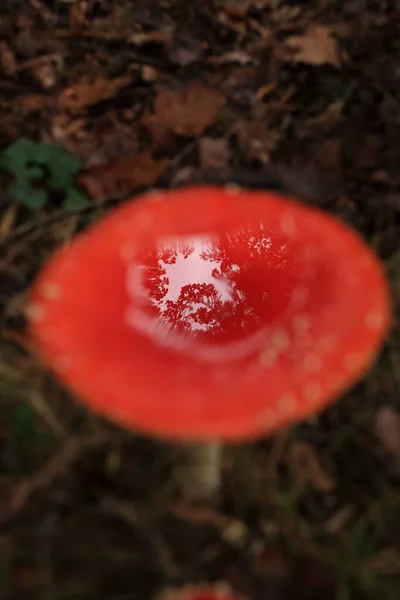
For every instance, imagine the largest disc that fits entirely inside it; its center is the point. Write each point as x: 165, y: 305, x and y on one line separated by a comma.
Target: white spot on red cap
x: 287, y: 404
x: 309, y: 252
x: 267, y: 418
x: 280, y: 340
x: 353, y: 361
x: 327, y: 343
x: 268, y: 357
x: 374, y: 320
x: 154, y: 195
x: 50, y: 334
x: 35, y: 312
x: 334, y: 380
x: 312, y: 391
x: 301, y: 324
x: 62, y: 363
x: 50, y: 291
x: 288, y: 224
x: 278, y: 344
x: 312, y: 363
x: 232, y: 189
x: 144, y: 219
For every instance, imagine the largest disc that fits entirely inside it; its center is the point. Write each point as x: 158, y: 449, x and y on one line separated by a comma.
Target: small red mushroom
x: 216, y: 591
x: 208, y: 314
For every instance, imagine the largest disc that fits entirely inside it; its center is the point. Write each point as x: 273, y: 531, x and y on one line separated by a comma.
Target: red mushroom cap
x: 217, y: 591
x: 208, y: 313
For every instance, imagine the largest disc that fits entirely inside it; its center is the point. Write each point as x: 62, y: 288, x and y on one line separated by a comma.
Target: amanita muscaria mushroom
x: 208, y: 314
x: 202, y: 591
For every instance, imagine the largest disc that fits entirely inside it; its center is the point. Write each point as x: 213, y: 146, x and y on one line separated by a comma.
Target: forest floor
x: 100, y: 99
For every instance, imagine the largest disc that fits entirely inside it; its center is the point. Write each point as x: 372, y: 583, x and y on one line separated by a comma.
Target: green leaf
x: 16, y: 156
x: 62, y: 166
x: 20, y: 190
x: 27, y: 195
x: 34, y: 172
x: 43, y: 153
x: 74, y: 199
x: 36, y: 199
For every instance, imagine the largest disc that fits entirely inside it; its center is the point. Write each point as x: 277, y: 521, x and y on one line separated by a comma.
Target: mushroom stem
x: 200, y: 475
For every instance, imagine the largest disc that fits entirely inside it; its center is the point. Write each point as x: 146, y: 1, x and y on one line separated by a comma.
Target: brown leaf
x: 256, y: 141
x: 214, y: 153
x: 77, y: 98
x: 8, y: 62
x: 31, y: 103
x: 242, y: 6
x: 122, y: 175
x: 186, y: 112
x: 316, y: 46
x: 307, y: 469
x: 387, y: 427
x: 45, y: 74
x: 76, y: 15
x: 339, y: 519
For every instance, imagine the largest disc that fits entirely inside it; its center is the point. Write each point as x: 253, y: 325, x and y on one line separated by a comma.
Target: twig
x: 57, y: 465
x: 59, y: 216
x: 127, y: 513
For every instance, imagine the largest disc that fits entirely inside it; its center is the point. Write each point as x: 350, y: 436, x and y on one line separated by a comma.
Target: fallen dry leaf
x: 186, y: 112
x: 8, y: 62
x: 122, y: 175
x: 77, y: 15
x: 31, y: 103
x: 339, y: 519
x: 45, y: 74
x: 387, y: 427
x: 316, y: 46
x: 256, y: 141
x: 307, y: 469
x: 214, y: 153
x: 244, y: 5
x: 77, y: 98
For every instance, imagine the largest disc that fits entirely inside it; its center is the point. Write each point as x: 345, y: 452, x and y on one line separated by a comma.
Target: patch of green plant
x: 26, y: 430
x: 39, y: 168
x: 333, y: 88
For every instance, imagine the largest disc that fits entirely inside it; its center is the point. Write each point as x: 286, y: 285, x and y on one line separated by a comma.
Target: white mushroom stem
x: 200, y: 474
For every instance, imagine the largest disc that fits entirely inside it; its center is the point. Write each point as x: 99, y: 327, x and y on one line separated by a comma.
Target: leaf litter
x: 262, y: 93
x: 317, y: 46
x: 185, y: 112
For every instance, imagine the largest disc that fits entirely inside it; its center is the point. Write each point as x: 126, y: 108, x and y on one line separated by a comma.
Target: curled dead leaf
x: 77, y: 98
x: 185, y: 112
x: 316, y: 46
x: 307, y: 469
x: 214, y: 153
x: 8, y: 62
x: 45, y: 74
x: 122, y: 175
